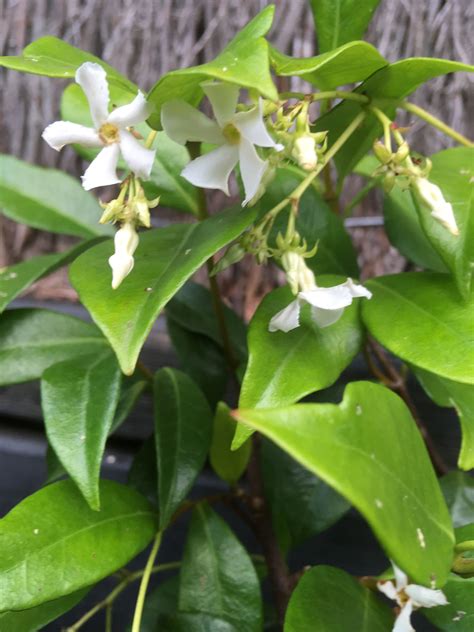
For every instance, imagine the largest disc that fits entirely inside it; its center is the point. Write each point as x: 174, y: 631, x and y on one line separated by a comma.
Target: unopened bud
x: 112, y: 211
x: 389, y: 181
x: 298, y: 275
x: 382, y: 152
x: 304, y: 152
x: 233, y: 255
x: 441, y: 210
x: 121, y: 262
x: 401, y: 153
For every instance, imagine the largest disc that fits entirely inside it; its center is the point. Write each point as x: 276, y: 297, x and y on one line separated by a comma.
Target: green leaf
x: 315, y: 222
x: 183, y: 427
x: 284, y: 367
x: 405, y: 232
x: 433, y: 326
x: 340, y: 21
x: 458, y: 615
x: 453, y: 395
x: 379, y: 463
x: 53, y: 544
x: 53, y: 57
x: 453, y: 172
x: 17, y: 278
x: 79, y: 398
x: 228, y: 464
x: 192, y: 308
x: 350, y: 63
x: 34, y: 619
x: 31, y: 340
x: 143, y: 472
x: 244, y: 61
x: 194, y: 622
x: 385, y: 88
x: 164, y: 260
x: 458, y: 490
x: 163, y: 600
x: 170, y: 157
x: 217, y: 575
x: 201, y: 359
x: 302, y: 504
x: 316, y: 604
x: 48, y: 199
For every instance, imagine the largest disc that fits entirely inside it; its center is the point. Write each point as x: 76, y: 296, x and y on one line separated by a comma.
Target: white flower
x: 441, y: 210
x: 109, y: 131
x: 409, y: 597
x: 327, y: 305
x: 235, y: 133
x: 304, y: 152
x: 121, y: 262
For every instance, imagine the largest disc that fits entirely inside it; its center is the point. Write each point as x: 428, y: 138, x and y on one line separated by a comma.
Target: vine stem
x: 436, y: 122
x: 137, y: 617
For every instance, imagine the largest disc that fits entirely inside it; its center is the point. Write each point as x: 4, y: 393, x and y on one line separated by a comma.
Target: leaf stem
x: 436, y: 122
x: 150, y: 138
x: 137, y: 617
x: 360, y: 195
x: 322, y: 96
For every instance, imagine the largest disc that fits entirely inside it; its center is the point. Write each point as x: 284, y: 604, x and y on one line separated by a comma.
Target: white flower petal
x: 357, y: 291
x: 93, y: 80
x: 102, y: 170
x: 445, y: 215
x: 401, y: 579
x: 286, y: 319
x: 326, y: 317
x: 212, y: 170
x: 138, y: 158
x: 402, y: 623
x: 252, y: 168
x: 423, y: 597
x: 250, y: 124
x: 122, y: 262
x: 328, y: 297
x: 388, y: 589
x: 131, y: 114
x: 223, y: 98
x: 121, y: 266
x: 184, y: 123
x: 63, y: 133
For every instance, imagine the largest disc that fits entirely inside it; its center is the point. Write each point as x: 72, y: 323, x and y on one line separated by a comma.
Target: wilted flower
x: 109, y: 131
x: 409, y: 597
x: 235, y: 133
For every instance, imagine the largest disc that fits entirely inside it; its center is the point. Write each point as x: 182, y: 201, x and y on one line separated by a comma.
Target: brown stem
x: 277, y: 568
x: 397, y: 382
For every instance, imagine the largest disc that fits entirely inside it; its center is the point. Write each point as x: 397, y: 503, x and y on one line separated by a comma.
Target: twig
x: 436, y: 122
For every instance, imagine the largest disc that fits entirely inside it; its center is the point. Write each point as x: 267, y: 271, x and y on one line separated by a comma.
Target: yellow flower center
x: 231, y: 134
x: 109, y: 133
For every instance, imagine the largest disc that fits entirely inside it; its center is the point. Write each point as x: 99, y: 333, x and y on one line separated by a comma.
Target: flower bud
x: 304, y: 152
x: 112, y: 211
x: 441, y: 210
x: 402, y: 153
x: 233, y: 255
x: 389, y: 181
x: 298, y: 275
x: 383, y: 154
x: 121, y: 262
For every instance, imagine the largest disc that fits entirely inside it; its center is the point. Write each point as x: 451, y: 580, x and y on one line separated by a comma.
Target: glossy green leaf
x: 217, y: 574
x: 183, y: 427
x: 170, y: 158
x: 454, y: 395
x: 48, y: 199
x: 17, y: 278
x: 302, y: 504
x: 315, y: 222
x: 453, y: 172
x: 405, y: 232
x: 284, y: 367
x: 458, y: 615
x: 164, y: 260
x: 31, y: 340
x: 458, y: 490
x: 163, y: 600
x: 340, y: 21
x: 53, y: 57
x: 385, y: 87
x: 79, y: 398
x: 34, y: 619
x: 316, y: 604
x: 244, y: 61
x: 192, y: 308
x: 420, y: 317
x: 194, y: 622
x: 350, y: 63
x: 379, y: 463
x: 143, y: 472
x: 228, y: 464
x: 201, y: 359
x: 53, y: 544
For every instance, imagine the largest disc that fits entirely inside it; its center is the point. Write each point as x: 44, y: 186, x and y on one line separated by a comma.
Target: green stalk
x: 436, y: 122
x: 137, y: 617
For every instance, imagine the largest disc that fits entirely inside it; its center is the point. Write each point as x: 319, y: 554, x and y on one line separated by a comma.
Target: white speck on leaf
x: 358, y: 410
x: 148, y: 289
x: 421, y: 538
x: 186, y: 252
x: 36, y: 531
x: 224, y: 69
x: 378, y: 503
x: 459, y: 615
x: 83, y: 437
